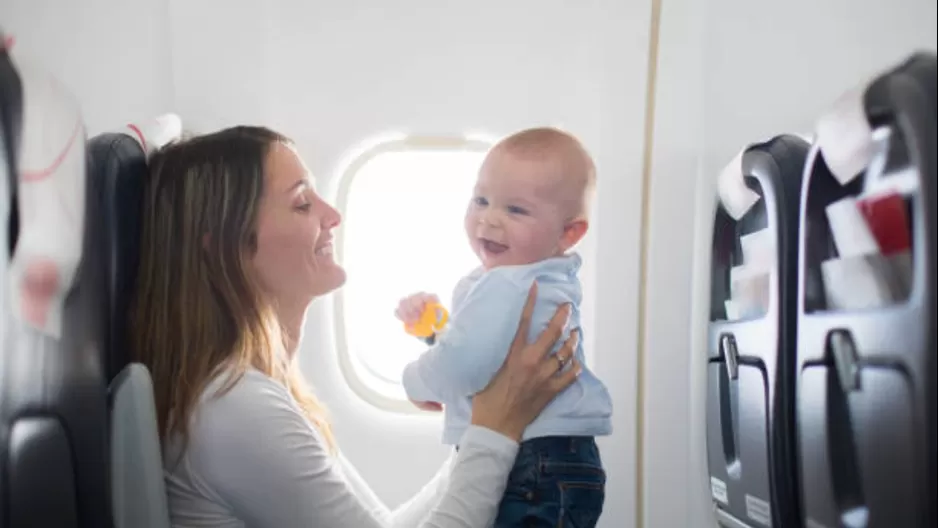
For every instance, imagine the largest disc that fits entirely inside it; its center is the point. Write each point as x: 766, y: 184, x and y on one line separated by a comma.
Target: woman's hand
x: 530, y: 377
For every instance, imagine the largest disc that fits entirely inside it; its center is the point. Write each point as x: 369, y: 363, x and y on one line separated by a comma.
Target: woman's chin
x: 329, y: 279
x: 340, y: 277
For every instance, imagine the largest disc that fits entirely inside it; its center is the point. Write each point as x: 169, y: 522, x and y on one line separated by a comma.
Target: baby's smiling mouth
x: 492, y: 247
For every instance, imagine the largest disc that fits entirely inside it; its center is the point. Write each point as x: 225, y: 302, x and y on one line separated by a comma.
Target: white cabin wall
x: 731, y: 72
x: 337, y: 75
x: 625, y: 28
x: 224, y: 63
x: 112, y: 54
x: 669, y: 481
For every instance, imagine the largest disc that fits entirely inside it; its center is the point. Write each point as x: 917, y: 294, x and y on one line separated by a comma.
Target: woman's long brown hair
x: 198, y: 310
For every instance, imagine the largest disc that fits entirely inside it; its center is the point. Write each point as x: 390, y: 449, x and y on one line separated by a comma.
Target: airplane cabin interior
x: 759, y: 286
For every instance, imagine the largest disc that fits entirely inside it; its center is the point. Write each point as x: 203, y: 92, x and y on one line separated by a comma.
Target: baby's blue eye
x: 480, y: 201
x: 514, y: 209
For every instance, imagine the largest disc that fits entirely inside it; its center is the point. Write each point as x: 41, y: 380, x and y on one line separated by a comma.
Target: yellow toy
x: 432, y: 320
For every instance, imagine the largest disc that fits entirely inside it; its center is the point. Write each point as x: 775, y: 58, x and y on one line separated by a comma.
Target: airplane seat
x: 11, y: 114
x: 53, y: 396
x: 118, y: 168
x: 867, y: 388
x: 751, y: 334
x: 10, y: 118
x: 138, y: 494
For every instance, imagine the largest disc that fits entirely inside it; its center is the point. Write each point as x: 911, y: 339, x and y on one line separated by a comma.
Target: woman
x: 236, y: 244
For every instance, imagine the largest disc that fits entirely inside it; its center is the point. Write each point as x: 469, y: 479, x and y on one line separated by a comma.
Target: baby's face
x: 518, y: 211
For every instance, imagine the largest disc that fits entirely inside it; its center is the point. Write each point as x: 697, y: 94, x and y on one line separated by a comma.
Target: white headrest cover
x: 737, y: 198
x: 844, y: 136
x: 51, y: 200
x: 155, y: 133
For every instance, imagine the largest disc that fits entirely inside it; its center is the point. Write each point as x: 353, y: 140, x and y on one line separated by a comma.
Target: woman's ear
x: 573, y: 232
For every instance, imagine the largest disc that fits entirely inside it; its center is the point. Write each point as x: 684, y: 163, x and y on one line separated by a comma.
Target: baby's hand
x: 428, y: 406
x: 410, y: 307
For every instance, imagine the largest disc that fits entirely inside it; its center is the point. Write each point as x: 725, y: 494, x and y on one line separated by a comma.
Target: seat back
x: 117, y: 167
x: 117, y: 170
x: 53, y: 396
x: 138, y: 492
x: 751, y: 335
x: 10, y: 116
x: 866, y: 400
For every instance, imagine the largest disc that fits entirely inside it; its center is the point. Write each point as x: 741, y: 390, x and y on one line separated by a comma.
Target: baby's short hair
x: 556, y: 146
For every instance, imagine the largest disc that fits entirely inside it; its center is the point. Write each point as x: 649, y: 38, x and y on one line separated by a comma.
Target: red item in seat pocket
x: 887, y: 218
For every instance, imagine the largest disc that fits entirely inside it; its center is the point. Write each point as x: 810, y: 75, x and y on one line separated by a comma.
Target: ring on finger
x: 561, y: 361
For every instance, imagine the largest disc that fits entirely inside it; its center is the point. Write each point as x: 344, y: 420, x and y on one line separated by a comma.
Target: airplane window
x: 403, y: 205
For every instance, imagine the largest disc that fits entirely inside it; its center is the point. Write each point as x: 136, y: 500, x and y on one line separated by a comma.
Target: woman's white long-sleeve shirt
x: 254, y: 460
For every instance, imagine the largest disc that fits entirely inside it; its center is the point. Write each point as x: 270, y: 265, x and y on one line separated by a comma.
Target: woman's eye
x: 304, y: 206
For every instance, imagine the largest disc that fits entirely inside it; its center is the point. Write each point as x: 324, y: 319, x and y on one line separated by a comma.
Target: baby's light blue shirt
x: 485, y: 313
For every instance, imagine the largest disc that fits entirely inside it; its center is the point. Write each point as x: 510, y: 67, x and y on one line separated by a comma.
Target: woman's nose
x: 332, y: 217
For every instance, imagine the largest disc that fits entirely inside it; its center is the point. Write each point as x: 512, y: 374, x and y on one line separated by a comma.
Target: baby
x: 530, y: 207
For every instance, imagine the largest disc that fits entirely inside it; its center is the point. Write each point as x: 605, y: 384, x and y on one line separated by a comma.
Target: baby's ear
x: 573, y: 232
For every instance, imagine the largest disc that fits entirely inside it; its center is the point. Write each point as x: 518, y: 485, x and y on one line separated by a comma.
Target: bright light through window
x: 402, y: 233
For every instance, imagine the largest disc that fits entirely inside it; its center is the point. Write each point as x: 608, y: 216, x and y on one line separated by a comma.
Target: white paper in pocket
x: 852, y: 235
x: 759, y: 250
x: 867, y: 281
x: 749, y: 291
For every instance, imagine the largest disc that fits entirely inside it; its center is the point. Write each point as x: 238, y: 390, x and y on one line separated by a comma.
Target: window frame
x: 352, y: 372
